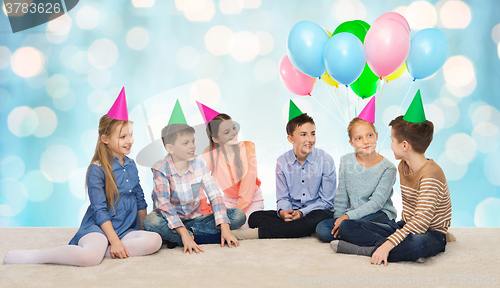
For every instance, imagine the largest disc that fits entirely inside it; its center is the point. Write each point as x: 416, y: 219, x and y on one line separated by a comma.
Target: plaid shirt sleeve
x: 161, y: 199
x: 212, y: 190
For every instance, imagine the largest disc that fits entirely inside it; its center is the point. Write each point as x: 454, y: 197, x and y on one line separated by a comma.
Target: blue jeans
x: 414, y: 246
x: 204, y: 225
x: 325, y: 227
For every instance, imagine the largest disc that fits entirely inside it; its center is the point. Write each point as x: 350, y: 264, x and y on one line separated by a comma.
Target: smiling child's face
x: 120, y: 141
x: 303, y: 139
x: 228, y: 133
x: 183, y: 148
x: 363, y: 139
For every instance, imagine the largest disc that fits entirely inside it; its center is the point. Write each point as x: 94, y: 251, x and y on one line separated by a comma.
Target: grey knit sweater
x: 364, y: 190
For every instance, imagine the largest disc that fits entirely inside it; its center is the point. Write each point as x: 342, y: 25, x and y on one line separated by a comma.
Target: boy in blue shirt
x: 305, y: 186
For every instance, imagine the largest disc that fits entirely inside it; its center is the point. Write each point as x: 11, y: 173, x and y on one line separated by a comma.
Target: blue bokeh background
x: 57, y: 79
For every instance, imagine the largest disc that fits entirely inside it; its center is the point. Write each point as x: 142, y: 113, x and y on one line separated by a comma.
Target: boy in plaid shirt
x: 178, y: 179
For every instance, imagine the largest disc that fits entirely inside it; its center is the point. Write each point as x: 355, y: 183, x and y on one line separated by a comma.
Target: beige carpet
x: 256, y: 263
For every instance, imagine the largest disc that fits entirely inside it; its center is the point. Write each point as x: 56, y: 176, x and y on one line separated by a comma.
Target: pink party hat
x: 119, y: 109
x: 368, y: 113
x: 207, y: 113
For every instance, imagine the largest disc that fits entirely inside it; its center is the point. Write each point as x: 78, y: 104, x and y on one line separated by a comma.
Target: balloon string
x: 397, y: 113
x: 347, y: 96
x: 335, y: 101
x: 341, y: 102
x: 355, y: 107
x: 382, y: 91
x: 329, y: 112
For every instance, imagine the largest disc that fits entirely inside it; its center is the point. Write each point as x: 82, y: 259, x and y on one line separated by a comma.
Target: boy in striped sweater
x: 426, y: 212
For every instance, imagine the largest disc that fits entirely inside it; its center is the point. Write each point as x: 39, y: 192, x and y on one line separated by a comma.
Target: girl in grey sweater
x: 365, y: 183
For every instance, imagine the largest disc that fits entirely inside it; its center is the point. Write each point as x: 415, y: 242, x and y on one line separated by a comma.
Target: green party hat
x: 177, y: 116
x: 415, y: 113
x: 293, y: 111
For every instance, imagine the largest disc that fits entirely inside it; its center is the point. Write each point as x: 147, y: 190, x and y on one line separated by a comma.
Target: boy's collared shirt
x: 305, y: 187
x: 177, y: 197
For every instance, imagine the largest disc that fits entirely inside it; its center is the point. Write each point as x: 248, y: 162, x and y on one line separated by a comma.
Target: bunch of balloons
x: 359, y: 55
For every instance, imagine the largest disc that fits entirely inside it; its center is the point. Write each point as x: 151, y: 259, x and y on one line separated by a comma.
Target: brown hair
x: 297, y: 122
x: 419, y: 135
x: 213, y: 131
x: 170, y: 132
x: 104, y: 156
x: 358, y: 121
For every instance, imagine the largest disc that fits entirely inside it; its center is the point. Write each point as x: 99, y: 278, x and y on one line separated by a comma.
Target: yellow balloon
x: 329, y: 33
x: 398, y: 73
x: 329, y: 80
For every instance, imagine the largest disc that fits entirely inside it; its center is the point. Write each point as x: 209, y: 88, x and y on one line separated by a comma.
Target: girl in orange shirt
x: 233, y: 164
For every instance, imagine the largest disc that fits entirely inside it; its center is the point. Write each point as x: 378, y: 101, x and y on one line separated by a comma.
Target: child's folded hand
x: 286, y: 215
x: 297, y: 214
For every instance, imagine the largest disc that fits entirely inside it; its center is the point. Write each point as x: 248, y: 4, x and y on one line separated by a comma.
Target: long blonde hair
x: 104, y: 156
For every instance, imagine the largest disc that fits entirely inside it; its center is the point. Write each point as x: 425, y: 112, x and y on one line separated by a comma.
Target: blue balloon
x: 305, y: 46
x: 344, y: 58
x: 428, y: 52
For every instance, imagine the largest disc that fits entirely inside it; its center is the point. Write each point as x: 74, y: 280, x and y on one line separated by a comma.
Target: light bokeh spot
x: 37, y: 186
x: 219, y: 40
x: 143, y: 3
x: 27, y: 62
x: 103, y: 53
x: 266, y: 42
x: 230, y: 6
x: 487, y: 213
x: 87, y: 18
x: 347, y: 10
x: 12, y: 166
x: 246, y: 46
x: 460, y: 148
x: 47, y: 121
x: 205, y: 91
x: 492, y: 166
x: 455, y: 15
x: 5, y: 55
x: 22, y: 121
x: 137, y: 38
x: 58, y: 162
x: 421, y: 15
x: 458, y: 71
x: 451, y: 169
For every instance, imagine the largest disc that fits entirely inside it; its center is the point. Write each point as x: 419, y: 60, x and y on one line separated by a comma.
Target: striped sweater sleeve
x: 421, y: 204
x: 426, y: 202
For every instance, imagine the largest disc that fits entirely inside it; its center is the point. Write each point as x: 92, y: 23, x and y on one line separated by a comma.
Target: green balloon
x: 366, y: 85
x: 352, y: 27
x: 366, y: 25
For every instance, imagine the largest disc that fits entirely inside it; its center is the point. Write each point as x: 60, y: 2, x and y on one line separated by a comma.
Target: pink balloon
x: 294, y: 80
x: 394, y: 16
x: 387, y: 45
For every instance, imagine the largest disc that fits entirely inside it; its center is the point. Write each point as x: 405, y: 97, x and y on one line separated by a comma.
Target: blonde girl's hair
x: 213, y: 131
x: 358, y: 121
x: 104, y: 157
